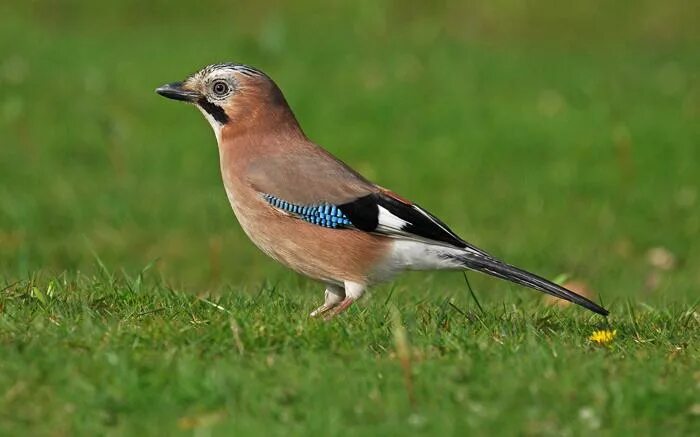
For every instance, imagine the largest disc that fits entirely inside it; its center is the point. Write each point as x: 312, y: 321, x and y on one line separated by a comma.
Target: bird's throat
x: 215, y: 124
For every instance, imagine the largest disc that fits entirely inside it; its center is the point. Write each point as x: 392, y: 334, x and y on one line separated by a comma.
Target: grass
x: 125, y: 355
x: 564, y: 141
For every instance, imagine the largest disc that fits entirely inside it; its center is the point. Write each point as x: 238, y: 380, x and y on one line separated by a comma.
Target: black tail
x: 502, y: 270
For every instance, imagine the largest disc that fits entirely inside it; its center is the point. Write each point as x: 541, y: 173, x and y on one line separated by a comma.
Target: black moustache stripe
x: 216, y: 111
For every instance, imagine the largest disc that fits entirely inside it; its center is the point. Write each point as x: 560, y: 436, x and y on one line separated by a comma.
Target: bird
x: 313, y: 213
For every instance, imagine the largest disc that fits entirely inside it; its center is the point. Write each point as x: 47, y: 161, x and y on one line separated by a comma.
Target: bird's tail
x: 499, y: 269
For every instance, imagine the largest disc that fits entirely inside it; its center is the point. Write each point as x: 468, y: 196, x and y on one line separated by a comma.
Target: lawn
x: 565, y: 140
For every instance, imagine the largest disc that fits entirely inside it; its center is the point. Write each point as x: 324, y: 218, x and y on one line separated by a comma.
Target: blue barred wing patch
x: 321, y: 214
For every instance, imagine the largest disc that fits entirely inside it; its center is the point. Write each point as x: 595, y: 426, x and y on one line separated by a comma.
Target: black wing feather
x: 362, y: 212
x: 419, y: 223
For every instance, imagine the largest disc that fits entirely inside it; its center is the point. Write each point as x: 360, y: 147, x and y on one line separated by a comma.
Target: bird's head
x: 232, y: 94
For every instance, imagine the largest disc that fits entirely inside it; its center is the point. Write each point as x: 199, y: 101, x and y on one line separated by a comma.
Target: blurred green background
x: 561, y: 137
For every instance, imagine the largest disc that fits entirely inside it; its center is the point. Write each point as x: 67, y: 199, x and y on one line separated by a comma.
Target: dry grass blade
x: 236, y: 331
x: 403, y: 352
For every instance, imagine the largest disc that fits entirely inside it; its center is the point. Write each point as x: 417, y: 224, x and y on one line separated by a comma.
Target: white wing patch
x: 389, y: 222
x: 392, y: 226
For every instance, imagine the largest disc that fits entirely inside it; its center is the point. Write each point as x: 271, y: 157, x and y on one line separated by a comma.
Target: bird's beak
x: 176, y: 91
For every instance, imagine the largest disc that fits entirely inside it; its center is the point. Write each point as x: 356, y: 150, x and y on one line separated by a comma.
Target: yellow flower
x: 602, y: 337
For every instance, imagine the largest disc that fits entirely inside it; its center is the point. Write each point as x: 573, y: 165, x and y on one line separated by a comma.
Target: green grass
x: 123, y: 355
x: 562, y: 139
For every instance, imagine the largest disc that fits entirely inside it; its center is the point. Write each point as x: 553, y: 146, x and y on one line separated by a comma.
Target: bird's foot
x: 342, y: 306
x: 322, y: 309
x: 333, y: 296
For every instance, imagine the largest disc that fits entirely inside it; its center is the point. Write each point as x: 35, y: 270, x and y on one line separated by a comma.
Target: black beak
x: 176, y: 92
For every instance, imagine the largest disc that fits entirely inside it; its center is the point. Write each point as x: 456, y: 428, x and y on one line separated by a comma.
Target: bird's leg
x: 333, y: 296
x: 353, y: 291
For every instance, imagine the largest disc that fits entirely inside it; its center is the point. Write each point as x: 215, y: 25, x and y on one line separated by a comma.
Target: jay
x: 310, y: 211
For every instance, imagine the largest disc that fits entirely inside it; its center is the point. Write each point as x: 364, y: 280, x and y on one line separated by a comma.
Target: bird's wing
x: 313, y: 176
x: 320, y: 189
x: 386, y: 213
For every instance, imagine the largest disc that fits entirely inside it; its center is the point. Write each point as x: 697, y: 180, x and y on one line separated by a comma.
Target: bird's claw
x: 342, y: 306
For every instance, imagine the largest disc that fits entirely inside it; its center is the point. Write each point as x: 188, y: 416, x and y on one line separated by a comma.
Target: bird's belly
x: 329, y: 255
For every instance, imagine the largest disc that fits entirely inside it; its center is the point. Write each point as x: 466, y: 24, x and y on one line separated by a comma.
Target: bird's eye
x: 220, y: 88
